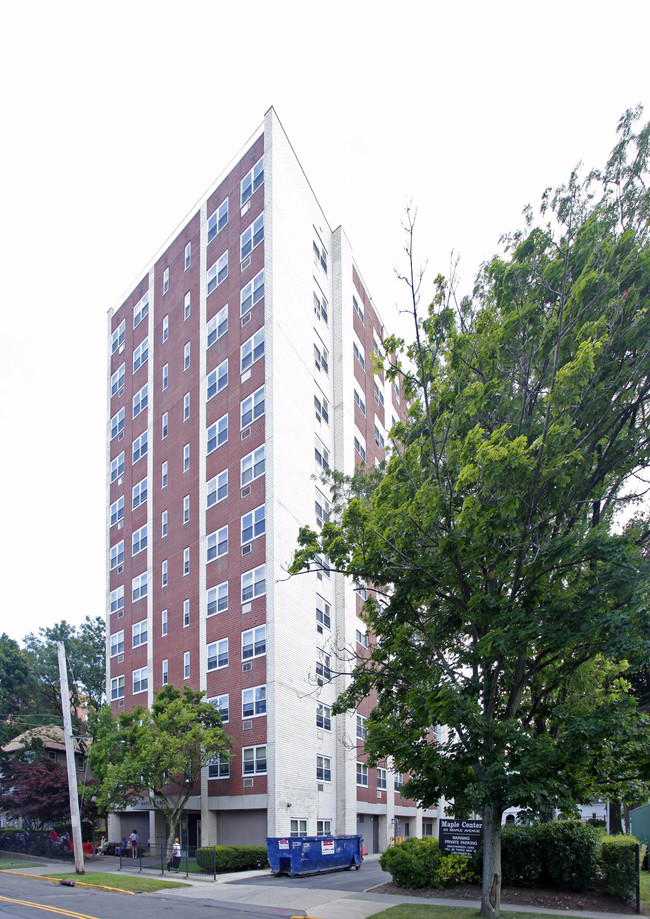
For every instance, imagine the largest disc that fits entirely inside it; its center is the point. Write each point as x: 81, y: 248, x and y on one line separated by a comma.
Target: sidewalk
x: 315, y: 902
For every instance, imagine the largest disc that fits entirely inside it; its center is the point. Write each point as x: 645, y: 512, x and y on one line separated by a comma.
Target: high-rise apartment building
x: 240, y: 367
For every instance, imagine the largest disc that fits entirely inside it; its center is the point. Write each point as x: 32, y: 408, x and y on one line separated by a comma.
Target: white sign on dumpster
x: 283, y: 844
x: 327, y: 846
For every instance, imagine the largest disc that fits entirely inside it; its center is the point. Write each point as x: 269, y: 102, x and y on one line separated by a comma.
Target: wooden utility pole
x: 75, y: 819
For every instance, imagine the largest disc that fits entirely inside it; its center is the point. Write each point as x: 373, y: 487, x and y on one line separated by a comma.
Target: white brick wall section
x: 150, y: 451
x: 107, y: 611
x: 203, y: 443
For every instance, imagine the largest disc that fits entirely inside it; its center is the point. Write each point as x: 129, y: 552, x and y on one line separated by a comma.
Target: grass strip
x: 7, y: 863
x: 124, y: 882
x: 424, y: 911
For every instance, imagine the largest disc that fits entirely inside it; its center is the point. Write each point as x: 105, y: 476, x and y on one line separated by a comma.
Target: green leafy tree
x: 86, y: 655
x: 156, y: 754
x: 16, y: 688
x: 505, y: 599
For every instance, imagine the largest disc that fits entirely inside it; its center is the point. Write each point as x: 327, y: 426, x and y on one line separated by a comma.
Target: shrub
x: 455, y: 868
x: 618, y: 860
x: 569, y: 853
x: 413, y: 863
x: 231, y: 858
x: 520, y: 857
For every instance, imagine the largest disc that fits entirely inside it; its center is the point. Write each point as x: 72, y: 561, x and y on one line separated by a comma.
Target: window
x: 141, y: 400
x: 253, y: 583
x: 117, y: 424
x: 396, y: 395
x: 323, y: 612
x: 298, y: 827
x: 217, y: 380
x: 379, y: 438
x: 218, y: 543
x: 165, y: 281
x: 163, y: 474
x: 218, y: 769
x: 165, y: 377
x: 117, y: 688
x: 253, y: 643
x: 186, y: 613
x: 218, y: 654
x: 165, y: 672
x: 322, y: 507
x: 139, y: 587
x: 359, y: 400
x: 322, y: 454
x: 217, y: 220
x: 381, y: 779
x: 117, y: 466
x: 376, y: 346
x: 320, y: 307
x: 188, y: 257
x: 360, y: 445
x: 321, y: 407
x: 186, y: 458
x: 139, y: 634
x: 358, y: 310
x: 218, y: 434
x: 252, y: 466
x: 399, y: 781
x: 186, y: 665
x: 117, y: 643
x: 140, y: 445
x: 253, y: 524
x: 252, y: 407
x: 323, y: 769
x: 321, y: 357
x: 163, y: 521
x: 186, y: 356
x: 252, y: 349
x: 362, y: 727
x: 359, y: 352
x: 323, y: 716
x: 254, y: 760
x: 165, y: 328
x: 163, y: 622
x: 186, y: 509
x: 139, y: 540
x: 323, y: 665
x: 251, y: 237
x: 139, y: 494
x: 253, y: 702
x: 222, y: 705
x: 164, y: 572
x: 362, y: 638
x: 252, y: 293
x: 218, y: 272
x: 117, y: 555
x: 323, y: 827
x: 140, y: 310
x: 218, y: 599
x: 218, y: 326
x: 186, y: 559
x: 218, y: 488
x: 141, y: 354
x: 252, y: 180
x: 186, y: 406
x: 117, y: 599
x: 165, y: 425
x: 117, y: 380
x: 362, y: 775
x: 117, y: 511
x: 320, y: 255
x: 379, y: 396
x: 117, y: 338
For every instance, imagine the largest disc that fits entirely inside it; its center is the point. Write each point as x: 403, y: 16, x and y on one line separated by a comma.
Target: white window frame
x: 252, y: 293
x: 186, y: 509
x: 217, y: 489
x: 140, y: 447
x: 139, y: 493
x: 139, y: 587
x: 217, y: 434
x: 164, y: 474
x: 186, y: 560
x: 139, y: 540
x: 217, y: 599
x: 117, y: 466
x: 139, y: 633
x: 253, y: 643
x: 253, y: 524
x: 187, y: 350
x: 186, y: 665
x: 252, y: 350
x: 252, y: 236
x: 186, y: 613
x: 117, y: 599
x: 253, y: 180
x: 165, y: 281
x: 323, y: 768
x: 217, y: 544
x: 253, y: 702
x: 116, y: 555
x: 141, y: 354
x: 217, y: 380
x: 323, y: 716
x: 218, y: 220
x: 362, y: 775
x: 188, y: 256
x: 117, y: 337
x: 117, y: 423
x: 141, y: 400
x: 217, y: 326
x: 222, y: 705
x: 252, y: 408
x: 217, y: 273
x: 186, y: 406
x: 117, y: 643
x: 253, y: 465
x: 253, y: 583
x: 218, y: 651
x: 117, y: 511
x: 323, y: 612
x: 254, y: 756
x: 117, y: 688
x: 117, y: 379
x: 140, y: 310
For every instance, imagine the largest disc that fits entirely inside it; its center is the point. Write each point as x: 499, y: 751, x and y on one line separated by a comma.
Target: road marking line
x: 51, y: 909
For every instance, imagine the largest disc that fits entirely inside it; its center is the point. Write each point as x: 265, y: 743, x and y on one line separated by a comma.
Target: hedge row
x: 231, y: 858
x: 568, y: 855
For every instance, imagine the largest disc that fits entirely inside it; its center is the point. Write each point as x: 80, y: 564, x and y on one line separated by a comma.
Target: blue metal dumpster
x: 295, y: 855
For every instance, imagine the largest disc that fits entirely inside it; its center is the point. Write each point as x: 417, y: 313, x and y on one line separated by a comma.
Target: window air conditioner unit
x: 120, y: 658
x: 247, y: 725
x: 248, y: 783
x: 246, y: 491
x: 246, y: 549
x: 246, y: 318
x: 245, y: 433
x: 246, y: 263
x: 246, y: 666
x: 120, y: 569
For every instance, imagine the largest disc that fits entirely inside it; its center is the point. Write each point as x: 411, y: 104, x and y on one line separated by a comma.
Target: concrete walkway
x: 316, y: 903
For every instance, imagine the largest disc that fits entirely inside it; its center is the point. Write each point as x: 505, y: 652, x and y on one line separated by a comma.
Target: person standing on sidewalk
x: 134, y: 844
x: 175, y: 860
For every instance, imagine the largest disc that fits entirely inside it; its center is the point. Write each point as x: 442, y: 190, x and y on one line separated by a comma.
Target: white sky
x: 117, y: 117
